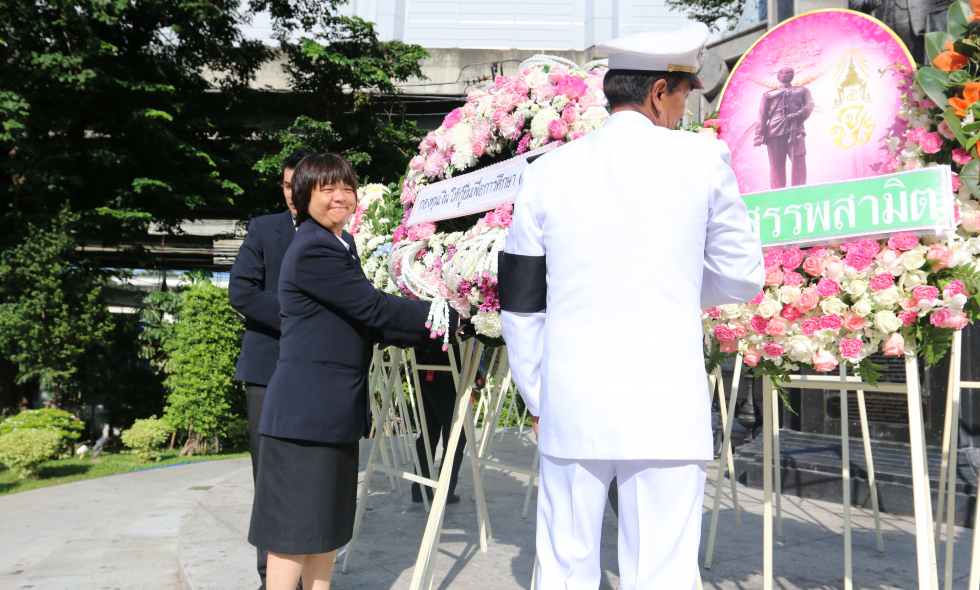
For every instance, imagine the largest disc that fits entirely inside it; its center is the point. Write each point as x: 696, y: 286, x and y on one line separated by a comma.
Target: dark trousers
x: 439, y: 405
x: 778, y: 147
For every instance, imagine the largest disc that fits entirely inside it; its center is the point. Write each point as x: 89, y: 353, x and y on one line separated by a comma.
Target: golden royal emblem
x: 855, y: 123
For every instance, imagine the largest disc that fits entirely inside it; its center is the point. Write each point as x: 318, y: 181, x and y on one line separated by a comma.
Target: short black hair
x: 631, y: 87
x: 292, y: 160
x: 318, y: 170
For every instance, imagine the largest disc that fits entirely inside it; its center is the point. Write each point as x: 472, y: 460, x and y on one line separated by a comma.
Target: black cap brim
x: 694, y: 81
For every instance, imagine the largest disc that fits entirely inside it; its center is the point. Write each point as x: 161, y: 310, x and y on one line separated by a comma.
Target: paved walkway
x: 186, y: 526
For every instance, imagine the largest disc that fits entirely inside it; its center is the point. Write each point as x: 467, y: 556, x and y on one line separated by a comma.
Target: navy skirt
x: 305, y: 496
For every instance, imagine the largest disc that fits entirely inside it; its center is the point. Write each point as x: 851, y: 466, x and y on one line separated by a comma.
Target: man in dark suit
x: 254, y: 293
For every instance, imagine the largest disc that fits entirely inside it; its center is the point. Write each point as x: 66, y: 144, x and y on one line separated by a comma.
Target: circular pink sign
x: 812, y: 100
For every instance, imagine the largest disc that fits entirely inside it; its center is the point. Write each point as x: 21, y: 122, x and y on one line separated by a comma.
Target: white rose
x: 768, y: 308
x: 833, y: 305
x: 535, y: 78
x: 888, y: 298
x: 914, y: 258
x: 857, y: 287
x: 862, y: 307
x: 799, y: 348
x: 595, y: 114
x: 731, y: 311
x: 789, y: 294
x: 912, y: 279
x: 887, y: 322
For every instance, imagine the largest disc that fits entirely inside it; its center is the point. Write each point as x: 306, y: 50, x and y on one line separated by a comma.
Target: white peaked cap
x: 678, y: 50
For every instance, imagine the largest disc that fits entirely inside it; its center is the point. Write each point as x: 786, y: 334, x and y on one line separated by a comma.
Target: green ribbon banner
x: 919, y: 201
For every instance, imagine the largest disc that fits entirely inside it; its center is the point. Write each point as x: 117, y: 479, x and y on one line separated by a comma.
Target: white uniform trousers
x: 659, y: 522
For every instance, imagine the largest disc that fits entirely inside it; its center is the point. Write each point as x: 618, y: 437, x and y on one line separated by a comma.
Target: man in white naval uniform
x: 634, y: 228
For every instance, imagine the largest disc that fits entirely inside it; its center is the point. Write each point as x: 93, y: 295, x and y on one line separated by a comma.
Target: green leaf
x: 949, y: 115
x: 965, y: 47
x: 868, y: 371
x: 959, y: 77
x: 936, y: 43
x: 958, y: 18
x: 970, y: 175
x: 934, y: 82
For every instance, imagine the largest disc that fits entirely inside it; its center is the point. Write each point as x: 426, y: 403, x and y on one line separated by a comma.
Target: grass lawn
x: 74, y: 469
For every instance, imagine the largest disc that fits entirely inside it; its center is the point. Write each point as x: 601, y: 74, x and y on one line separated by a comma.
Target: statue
x: 781, y: 115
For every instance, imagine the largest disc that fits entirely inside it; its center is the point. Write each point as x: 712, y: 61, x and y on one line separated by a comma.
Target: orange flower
x: 975, y: 7
x: 971, y: 94
x: 949, y: 60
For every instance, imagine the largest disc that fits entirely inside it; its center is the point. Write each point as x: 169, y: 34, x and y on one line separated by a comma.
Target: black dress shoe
x: 452, y: 499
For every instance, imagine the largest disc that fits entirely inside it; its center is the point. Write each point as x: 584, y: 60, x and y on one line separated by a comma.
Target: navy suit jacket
x: 254, y: 293
x: 331, y: 317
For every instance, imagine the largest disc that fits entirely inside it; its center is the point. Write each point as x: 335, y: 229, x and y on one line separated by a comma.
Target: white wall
x: 505, y: 24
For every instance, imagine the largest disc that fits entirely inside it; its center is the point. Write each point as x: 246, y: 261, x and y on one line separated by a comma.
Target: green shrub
x: 24, y: 450
x: 236, y: 433
x: 68, y: 427
x: 147, y: 436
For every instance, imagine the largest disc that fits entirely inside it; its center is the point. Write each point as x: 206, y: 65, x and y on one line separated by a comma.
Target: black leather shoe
x: 452, y: 499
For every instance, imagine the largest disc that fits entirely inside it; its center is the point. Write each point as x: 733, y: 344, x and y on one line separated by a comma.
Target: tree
x: 711, y: 12
x: 344, y: 82
x: 204, y: 395
x: 52, y: 311
x: 107, y: 105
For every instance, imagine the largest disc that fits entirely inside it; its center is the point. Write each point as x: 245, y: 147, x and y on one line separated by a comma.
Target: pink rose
x: 774, y: 276
x: 813, y: 266
x: 809, y: 326
x: 570, y: 115
x: 830, y: 322
x: 903, y: 241
x: 713, y: 312
x: 469, y: 111
x: 833, y: 267
x: 853, y: 321
x: 824, y: 361
x: 942, y: 255
x: 894, y: 345
x: 792, y: 279
x: 882, y: 281
x: 776, y: 327
x: 558, y: 128
x: 792, y: 257
x: 576, y: 135
x: 478, y: 148
x: 723, y: 333
x: 772, y: 349
x: 790, y: 313
x: 912, y: 165
x: 955, y: 288
x: 503, y: 214
x: 850, y: 348
x: 938, y: 318
x: 543, y: 92
x: 498, y: 116
x: 907, y: 317
x: 407, y: 197
x: 556, y: 73
x: 957, y: 321
x: 740, y: 329
x: 888, y: 166
x: 909, y: 304
x: 430, y: 139
x: 931, y: 143
x: 759, y: 323
x: 828, y: 287
x: 752, y: 357
x: 421, y: 231
x: 728, y: 346
x: 417, y: 164
x: 572, y: 86
x: 961, y: 156
x: 946, y: 132
x: 916, y: 135
x: 955, y: 182
x: 807, y: 300
x: 454, y: 117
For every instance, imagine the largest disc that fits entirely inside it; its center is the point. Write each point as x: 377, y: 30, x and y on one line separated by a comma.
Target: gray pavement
x: 186, y: 526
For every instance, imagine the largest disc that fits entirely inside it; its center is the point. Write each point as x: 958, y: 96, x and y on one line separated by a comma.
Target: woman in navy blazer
x: 316, y: 407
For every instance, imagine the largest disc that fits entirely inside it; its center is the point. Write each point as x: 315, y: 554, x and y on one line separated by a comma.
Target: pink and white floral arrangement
x: 549, y: 101
x: 826, y: 305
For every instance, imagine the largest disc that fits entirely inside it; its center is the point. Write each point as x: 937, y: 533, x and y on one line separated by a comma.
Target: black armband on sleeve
x: 522, y: 283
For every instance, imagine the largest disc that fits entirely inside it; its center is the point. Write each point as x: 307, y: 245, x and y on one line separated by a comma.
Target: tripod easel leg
x: 722, y: 406
x: 767, y: 469
x: 845, y: 441
x: 944, y: 461
x: 954, y: 368
x: 726, y: 450
x: 924, y: 539
x: 872, y: 486
x: 433, y: 529
x: 778, y: 475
